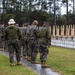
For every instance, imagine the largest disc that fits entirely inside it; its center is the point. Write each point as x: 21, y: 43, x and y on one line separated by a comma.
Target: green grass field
x: 61, y: 60
x: 6, y: 69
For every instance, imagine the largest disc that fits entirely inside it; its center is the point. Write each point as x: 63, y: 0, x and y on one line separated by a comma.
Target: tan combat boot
x: 28, y: 58
x: 43, y: 65
x: 34, y: 62
x: 12, y: 64
x: 25, y: 57
x: 19, y: 63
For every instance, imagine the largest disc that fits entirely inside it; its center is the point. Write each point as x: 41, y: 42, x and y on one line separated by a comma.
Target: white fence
x: 68, y: 43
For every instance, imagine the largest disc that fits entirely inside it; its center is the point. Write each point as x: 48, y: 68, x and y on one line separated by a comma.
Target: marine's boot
x: 43, y: 65
x: 28, y: 58
x: 34, y: 62
x: 19, y: 63
x: 25, y: 57
x: 21, y: 56
x: 12, y: 64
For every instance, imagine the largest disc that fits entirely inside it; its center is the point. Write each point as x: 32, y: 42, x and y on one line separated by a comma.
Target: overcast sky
x: 63, y: 10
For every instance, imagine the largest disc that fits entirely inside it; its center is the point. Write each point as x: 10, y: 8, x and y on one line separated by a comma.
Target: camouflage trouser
x: 43, y: 49
x: 5, y: 45
x: 1, y: 42
x: 25, y: 48
x: 14, y: 46
x: 33, y: 50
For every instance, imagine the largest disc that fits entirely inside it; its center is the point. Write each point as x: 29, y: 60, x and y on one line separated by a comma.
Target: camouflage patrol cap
x: 17, y: 25
x: 35, y: 22
x: 46, y: 24
x: 26, y: 24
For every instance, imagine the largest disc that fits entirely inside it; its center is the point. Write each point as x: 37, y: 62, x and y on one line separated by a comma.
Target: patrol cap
x: 46, y: 24
x: 11, y: 21
x: 35, y: 22
x: 26, y: 24
x: 17, y: 25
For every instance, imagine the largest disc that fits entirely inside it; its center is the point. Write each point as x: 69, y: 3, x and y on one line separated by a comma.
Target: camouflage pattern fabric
x: 13, y: 35
x: 1, y: 37
x: 14, y: 46
x: 32, y: 42
x: 43, y: 49
x: 12, y: 32
x: 43, y: 40
x: 25, y: 40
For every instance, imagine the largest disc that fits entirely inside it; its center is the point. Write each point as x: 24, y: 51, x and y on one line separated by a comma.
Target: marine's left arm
x: 48, y: 37
x: 19, y: 34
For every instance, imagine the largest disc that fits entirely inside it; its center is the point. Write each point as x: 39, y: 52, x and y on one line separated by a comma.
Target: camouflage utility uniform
x: 44, y: 40
x: 32, y: 52
x: 3, y: 41
x: 25, y: 41
x: 13, y: 35
x: 1, y: 37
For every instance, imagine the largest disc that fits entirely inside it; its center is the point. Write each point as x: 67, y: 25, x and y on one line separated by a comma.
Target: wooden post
x: 54, y: 31
x: 62, y: 30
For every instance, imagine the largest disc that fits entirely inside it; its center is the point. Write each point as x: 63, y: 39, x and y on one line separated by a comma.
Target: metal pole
x: 54, y: 12
x: 67, y: 12
x: 30, y: 11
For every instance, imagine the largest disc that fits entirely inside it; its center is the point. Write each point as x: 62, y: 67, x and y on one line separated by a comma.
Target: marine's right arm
x: 5, y: 34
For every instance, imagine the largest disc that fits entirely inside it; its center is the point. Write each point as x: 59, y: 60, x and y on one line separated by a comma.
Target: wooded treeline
x: 41, y: 10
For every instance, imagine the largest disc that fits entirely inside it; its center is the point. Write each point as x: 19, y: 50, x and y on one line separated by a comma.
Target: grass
x: 6, y: 69
x: 61, y: 60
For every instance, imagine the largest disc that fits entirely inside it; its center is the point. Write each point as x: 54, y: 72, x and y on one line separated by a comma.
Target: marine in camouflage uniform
x: 44, y: 40
x: 25, y: 39
x: 13, y: 36
x: 1, y: 36
x: 4, y: 42
x: 33, y: 50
